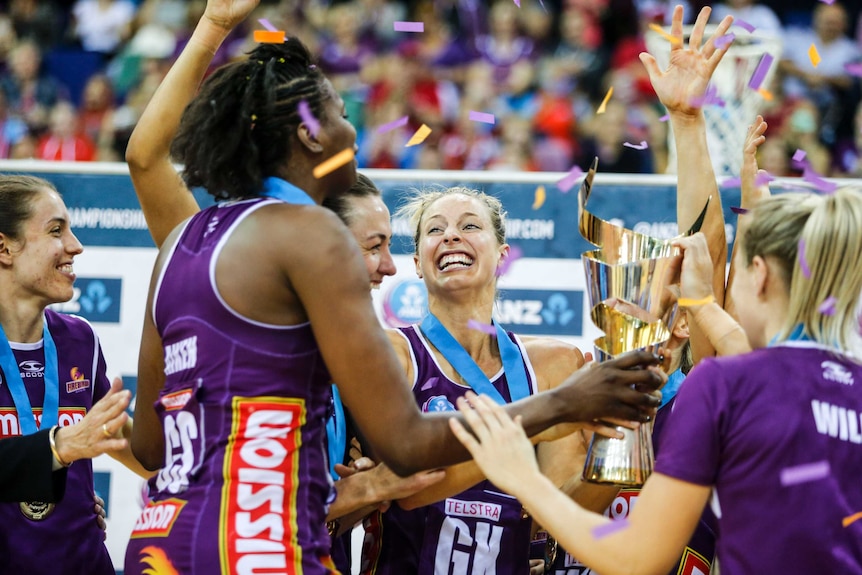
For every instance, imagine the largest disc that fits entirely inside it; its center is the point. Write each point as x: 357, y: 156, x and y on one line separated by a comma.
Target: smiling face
x: 457, y: 246
x: 41, y: 259
x: 369, y: 224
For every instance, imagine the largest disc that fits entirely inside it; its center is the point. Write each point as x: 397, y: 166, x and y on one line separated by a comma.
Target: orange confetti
x: 604, y: 103
x: 660, y: 31
x: 540, y: 198
x: 419, y: 136
x: 850, y: 519
x: 269, y: 36
x: 333, y: 163
x: 767, y: 95
x: 814, y: 55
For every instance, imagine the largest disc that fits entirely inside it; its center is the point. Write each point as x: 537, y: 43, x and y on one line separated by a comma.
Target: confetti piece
x: 267, y: 24
x: 483, y: 327
x: 518, y: 3
x: 539, y: 198
x: 766, y: 94
x: 853, y: 69
x: 642, y: 146
x: 760, y: 72
x: 745, y: 25
x: 830, y: 2
x: 818, y: 181
x: 610, y: 528
x: 804, y: 473
x: 738, y: 211
x: 710, y: 98
x: 723, y: 42
x: 814, y: 55
x: 269, y: 36
x: 515, y: 253
x: 570, y: 179
x: 762, y: 178
x: 333, y: 163
x: 803, y: 263
x: 308, y: 118
x: 660, y: 31
x: 798, y: 155
x: 432, y: 381
x: 729, y: 182
x: 851, y: 518
x: 828, y: 306
x: 482, y: 117
x: 409, y: 26
x: 664, y: 118
x: 604, y: 103
x: 688, y: 302
x: 400, y: 122
x: 419, y: 136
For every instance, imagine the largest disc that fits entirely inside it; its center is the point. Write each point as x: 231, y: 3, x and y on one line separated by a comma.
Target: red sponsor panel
x: 10, y: 425
x: 261, y: 467
x: 157, y: 519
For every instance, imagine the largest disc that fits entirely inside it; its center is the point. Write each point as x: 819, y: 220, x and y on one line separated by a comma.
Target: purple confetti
x: 803, y: 263
x: 515, y: 253
x: 853, y: 69
x: 570, y: 179
x: 482, y: 117
x: 820, y: 183
x: 760, y: 73
x: 828, y: 306
x: 723, y: 42
x: 518, y: 3
x: 483, y: 327
x: 409, y: 26
x: 400, y: 122
x: 709, y: 98
x: 642, y: 146
x: 738, y: 211
x: 830, y: 2
x: 729, y: 182
x: 763, y: 177
x: 804, y: 473
x: 798, y: 155
x: 267, y: 24
x: 745, y: 25
x: 664, y: 118
x: 432, y: 381
x: 308, y: 118
x: 610, y: 528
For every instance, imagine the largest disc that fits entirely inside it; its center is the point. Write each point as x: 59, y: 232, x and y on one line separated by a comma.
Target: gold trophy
x: 631, y: 279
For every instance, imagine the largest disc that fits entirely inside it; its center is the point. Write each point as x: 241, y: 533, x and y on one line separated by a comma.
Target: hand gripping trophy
x: 633, y: 281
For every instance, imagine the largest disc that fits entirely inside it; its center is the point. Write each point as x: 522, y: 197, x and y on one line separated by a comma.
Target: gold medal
x: 36, y: 510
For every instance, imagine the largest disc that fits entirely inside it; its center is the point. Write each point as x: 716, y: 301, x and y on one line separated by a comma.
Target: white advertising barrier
x: 541, y: 294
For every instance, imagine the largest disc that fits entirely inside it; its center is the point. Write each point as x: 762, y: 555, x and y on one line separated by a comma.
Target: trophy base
x: 626, y: 462
x: 619, y: 477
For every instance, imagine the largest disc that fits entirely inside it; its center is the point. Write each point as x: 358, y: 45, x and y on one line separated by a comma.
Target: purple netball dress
x: 480, y: 530
x: 40, y: 538
x: 245, y: 485
x: 777, y: 432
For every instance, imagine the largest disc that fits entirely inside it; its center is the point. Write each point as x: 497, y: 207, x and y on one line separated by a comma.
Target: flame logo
x: 158, y: 561
x: 76, y: 374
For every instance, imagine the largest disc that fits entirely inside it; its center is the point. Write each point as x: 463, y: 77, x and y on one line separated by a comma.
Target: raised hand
x: 697, y: 267
x: 99, y: 431
x: 751, y: 192
x: 690, y: 69
x: 228, y: 13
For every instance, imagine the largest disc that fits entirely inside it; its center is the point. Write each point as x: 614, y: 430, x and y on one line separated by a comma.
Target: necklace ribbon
x: 285, y: 191
x: 336, y: 433
x: 458, y: 358
x: 51, y: 378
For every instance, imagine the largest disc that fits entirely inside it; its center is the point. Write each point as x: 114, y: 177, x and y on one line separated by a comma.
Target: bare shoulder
x: 402, y: 350
x: 553, y: 359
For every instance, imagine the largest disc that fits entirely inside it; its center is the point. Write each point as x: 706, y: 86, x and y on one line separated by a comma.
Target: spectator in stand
x: 800, y: 133
x: 96, y: 116
x: 579, y: 56
x: 37, y: 21
x: 30, y: 94
x: 758, y: 15
x: 827, y: 84
x: 607, y: 133
x: 848, y: 159
x: 103, y: 25
x: 64, y: 142
x: 12, y: 129
x: 504, y: 46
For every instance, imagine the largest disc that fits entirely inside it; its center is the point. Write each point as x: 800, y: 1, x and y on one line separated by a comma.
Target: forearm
x: 127, y: 458
x: 725, y: 334
x: 458, y: 478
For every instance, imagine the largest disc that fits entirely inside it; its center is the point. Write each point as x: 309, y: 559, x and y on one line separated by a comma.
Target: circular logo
x: 36, y: 510
x: 437, y: 403
x: 405, y: 303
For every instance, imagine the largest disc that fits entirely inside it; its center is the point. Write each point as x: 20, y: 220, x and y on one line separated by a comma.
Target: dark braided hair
x: 239, y: 129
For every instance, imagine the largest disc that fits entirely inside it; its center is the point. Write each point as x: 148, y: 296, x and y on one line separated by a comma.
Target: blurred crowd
x: 76, y: 76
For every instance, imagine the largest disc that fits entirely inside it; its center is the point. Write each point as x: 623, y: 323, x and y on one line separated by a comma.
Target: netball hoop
x: 727, y: 122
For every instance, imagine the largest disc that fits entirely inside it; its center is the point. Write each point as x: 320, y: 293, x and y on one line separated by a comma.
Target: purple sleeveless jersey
x: 777, y: 432
x: 479, y: 531
x: 68, y: 539
x: 245, y: 484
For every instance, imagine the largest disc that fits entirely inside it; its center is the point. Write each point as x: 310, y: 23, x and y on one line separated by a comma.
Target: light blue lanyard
x: 798, y: 334
x: 285, y: 191
x: 458, y: 358
x: 51, y: 379
x: 336, y: 433
x: 671, y: 388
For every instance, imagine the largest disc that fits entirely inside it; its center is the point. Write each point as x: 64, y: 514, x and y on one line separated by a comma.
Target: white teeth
x: 454, y: 259
x: 66, y: 268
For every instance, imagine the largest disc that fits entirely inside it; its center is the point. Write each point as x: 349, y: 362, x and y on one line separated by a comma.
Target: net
x: 727, y: 124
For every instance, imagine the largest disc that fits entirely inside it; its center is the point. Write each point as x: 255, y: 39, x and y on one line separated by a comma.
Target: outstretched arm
x: 164, y: 198
x: 679, y: 88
